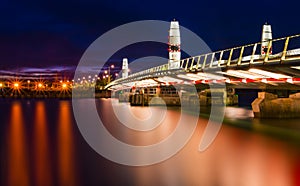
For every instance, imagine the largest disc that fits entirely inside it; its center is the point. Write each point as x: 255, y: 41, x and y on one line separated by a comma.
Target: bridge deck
x: 235, y: 66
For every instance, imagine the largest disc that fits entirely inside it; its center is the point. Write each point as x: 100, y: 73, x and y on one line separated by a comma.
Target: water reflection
x: 18, y: 165
x: 43, y: 146
x: 66, y: 154
x: 42, y: 159
x: 235, y: 113
x: 252, y: 160
x: 237, y: 157
x: 127, y: 135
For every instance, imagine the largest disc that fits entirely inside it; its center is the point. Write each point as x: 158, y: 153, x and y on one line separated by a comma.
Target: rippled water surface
x: 41, y: 145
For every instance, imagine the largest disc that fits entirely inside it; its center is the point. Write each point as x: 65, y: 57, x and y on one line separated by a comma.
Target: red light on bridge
x: 296, y: 80
x: 248, y: 80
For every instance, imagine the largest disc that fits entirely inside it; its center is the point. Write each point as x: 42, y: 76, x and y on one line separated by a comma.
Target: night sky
x: 51, y: 36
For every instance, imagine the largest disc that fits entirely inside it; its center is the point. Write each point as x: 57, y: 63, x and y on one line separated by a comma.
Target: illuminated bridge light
x: 205, y: 75
x: 290, y: 81
x: 129, y: 84
x: 244, y: 74
x: 188, y: 76
x: 196, y: 76
x: 269, y: 74
x: 264, y: 80
x: 167, y: 79
x: 1, y: 85
x: 296, y: 67
x: 16, y: 85
x: 147, y: 82
x: 228, y: 80
x: 64, y: 85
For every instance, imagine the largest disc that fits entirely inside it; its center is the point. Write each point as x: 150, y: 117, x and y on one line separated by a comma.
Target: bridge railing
x: 278, y: 50
x: 150, y: 71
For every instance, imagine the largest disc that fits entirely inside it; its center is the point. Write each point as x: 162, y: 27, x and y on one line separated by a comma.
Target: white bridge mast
x: 174, y: 45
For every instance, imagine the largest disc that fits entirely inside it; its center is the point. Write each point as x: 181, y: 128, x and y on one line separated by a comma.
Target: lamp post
x: 111, y: 66
x: 28, y: 84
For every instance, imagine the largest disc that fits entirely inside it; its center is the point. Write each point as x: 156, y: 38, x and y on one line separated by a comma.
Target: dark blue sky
x: 48, y: 33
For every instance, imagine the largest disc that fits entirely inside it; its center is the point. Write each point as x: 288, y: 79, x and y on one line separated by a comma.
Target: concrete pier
x: 171, y: 97
x: 217, y: 97
x: 144, y: 100
x: 268, y: 105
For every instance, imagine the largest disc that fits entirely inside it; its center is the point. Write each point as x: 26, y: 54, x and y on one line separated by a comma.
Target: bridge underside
x: 279, y: 81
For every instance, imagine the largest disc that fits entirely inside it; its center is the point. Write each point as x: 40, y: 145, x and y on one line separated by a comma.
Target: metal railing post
x: 198, y: 61
x: 212, y: 60
x: 182, y: 61
x: 268, y: 51
x: 187, y: 63
x: 241, y: 55
x: 221, y: 55
x: 230, y: 56
x: 204, y: 62
x: 253, y: 53
x: 192, y: 63
x: 285, y: 49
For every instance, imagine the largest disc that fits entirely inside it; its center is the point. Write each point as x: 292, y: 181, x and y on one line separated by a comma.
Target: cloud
x: 54, y: 69
x: 34, y: 73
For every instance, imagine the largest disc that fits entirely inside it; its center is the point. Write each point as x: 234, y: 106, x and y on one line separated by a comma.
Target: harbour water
x: 42, y: 145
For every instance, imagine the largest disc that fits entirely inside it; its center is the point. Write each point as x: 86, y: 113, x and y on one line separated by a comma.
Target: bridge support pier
x: 231, y: 98
x: 268, y: 105
x: 218, y: 97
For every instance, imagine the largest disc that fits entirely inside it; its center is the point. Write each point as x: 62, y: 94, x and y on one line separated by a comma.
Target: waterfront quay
x: 50, y: 89
x: 27, y: 93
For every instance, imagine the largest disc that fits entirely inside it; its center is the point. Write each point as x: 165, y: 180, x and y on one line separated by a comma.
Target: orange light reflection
x: 18, y: 169
x: 66, y: 155
x: 42, y: 154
